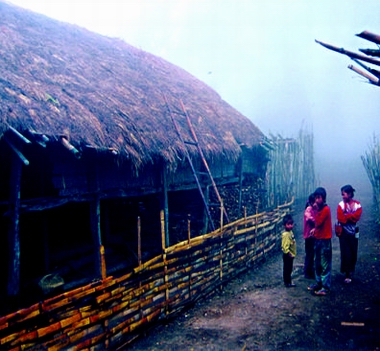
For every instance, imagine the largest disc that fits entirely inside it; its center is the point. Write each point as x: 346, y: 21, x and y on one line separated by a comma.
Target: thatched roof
x: 58, y: 79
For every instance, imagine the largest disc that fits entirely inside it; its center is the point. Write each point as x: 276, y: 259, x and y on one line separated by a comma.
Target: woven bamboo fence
x: 110, y: 313
x: 291, y: 168
x: 371, y: 163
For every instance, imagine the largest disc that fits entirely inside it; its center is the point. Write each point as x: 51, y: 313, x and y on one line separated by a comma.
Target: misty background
x: 262, y: 59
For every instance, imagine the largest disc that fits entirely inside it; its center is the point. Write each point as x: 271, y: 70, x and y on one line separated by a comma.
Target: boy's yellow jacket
x: 288, y: 243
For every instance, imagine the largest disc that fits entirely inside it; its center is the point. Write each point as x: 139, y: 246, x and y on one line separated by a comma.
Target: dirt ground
x: 256, y: 312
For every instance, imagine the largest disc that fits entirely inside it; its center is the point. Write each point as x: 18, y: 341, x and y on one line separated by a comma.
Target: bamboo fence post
x: 139, y: 240
x: 256, y: 221
x: 103, y: 262
x: 221, y: 214
x: 221, y: 261
x: 188, y: 229
x: 166, y: 279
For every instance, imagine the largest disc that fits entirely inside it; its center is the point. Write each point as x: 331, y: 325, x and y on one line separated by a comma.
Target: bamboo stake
x: 188, y: 229
x: 139, y: 241
x: 221, y: 263
x: 221, y: 214
x: 103, y: 262
x: 163, y: 243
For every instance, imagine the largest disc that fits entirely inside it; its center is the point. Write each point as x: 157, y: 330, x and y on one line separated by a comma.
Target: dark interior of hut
x: 57, y: 242
x: 59, y: 249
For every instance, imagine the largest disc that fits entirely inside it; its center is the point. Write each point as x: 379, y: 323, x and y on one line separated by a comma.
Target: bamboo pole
x: 103, y: 262
x: 221, y: 262
x: 188, y: 229
x: 163, y: 243
x: 139, y: 241
x: 371, y: 78
x: 221, y: 214
x: 164, y: 258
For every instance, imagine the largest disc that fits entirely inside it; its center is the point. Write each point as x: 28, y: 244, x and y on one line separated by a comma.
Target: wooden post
x: 206, y: 219
x: 188, y: 229
x: 139, y: 240
x: 96, y: 235
x: 165, y: 205
x: 240, y: 165
x: 221, y: 214
x: 221, y: 261
x: 13, y: 230
x: 166, y: 278
x: 163, y: 243
x: 46, y: 241
x: 103, y: 262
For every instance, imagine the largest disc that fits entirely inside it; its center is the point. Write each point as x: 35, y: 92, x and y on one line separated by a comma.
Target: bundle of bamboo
x: 371, y: 163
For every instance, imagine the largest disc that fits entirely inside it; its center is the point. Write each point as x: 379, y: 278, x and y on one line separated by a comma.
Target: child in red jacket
x: 322, y: 245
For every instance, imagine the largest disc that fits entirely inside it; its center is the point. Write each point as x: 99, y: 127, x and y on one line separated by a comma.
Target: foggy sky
x: 262, y: 59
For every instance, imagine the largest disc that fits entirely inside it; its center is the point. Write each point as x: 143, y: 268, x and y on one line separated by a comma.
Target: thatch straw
x: 58, y: 79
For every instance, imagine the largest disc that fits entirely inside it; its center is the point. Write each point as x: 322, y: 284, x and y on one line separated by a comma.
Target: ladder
x: 194, y: 142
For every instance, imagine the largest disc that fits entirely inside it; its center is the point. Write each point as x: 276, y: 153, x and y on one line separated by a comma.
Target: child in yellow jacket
x: 289, y: 250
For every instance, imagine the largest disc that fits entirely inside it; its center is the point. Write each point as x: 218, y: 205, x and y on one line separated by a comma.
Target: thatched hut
x: 90, y: 154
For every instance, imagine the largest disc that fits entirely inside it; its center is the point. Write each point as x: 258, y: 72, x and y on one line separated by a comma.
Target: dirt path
x: 256, y: 312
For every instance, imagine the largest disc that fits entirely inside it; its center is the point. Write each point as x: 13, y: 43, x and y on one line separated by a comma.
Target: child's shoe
x: 321, y: 292
x: 314, y: 287
x: 290, y: 285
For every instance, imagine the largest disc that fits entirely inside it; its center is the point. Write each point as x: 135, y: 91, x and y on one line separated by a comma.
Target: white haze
x: 261, y: 57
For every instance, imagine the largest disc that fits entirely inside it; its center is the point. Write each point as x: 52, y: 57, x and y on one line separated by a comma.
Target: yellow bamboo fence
x: 110, y: 313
